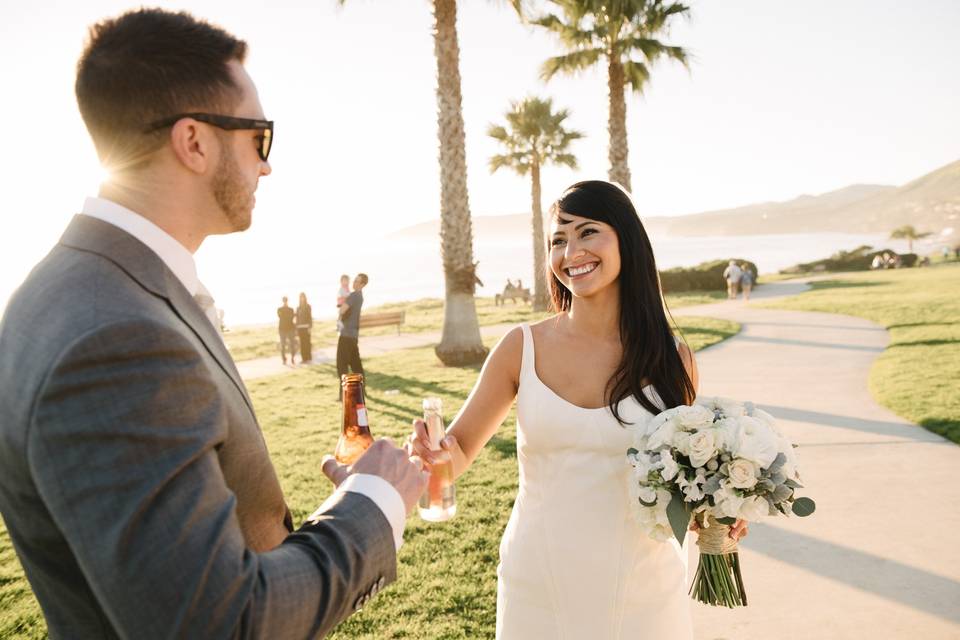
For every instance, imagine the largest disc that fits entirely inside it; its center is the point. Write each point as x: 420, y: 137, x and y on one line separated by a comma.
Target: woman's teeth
x: 579, y: 271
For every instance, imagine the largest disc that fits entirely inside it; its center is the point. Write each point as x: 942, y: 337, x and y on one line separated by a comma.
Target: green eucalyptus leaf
x: 777, y: 464
x: 771, y: 506
x: 678, y: 514
x: 782, y: 493
x: 631, y: 451
x: 803, y: 507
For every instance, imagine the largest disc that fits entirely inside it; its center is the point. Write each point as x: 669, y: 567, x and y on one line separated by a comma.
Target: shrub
x: 706, y: 276
x: 859, y: 259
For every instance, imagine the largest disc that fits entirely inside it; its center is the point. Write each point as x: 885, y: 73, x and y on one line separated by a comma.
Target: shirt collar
x: 173, y: 254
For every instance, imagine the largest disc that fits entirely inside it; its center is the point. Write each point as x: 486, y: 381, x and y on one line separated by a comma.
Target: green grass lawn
x: 447, y: 573
x: 261, y: 341
x: 918, y: 375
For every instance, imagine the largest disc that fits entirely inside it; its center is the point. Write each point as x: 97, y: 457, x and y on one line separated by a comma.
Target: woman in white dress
x: 573, y: 563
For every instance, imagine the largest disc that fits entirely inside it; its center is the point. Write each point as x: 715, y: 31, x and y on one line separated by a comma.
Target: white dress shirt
x: 180, y: 261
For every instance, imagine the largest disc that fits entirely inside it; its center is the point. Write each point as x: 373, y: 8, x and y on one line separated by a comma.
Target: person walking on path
x: 348, y: 349
x: 747, y: 279
x: 288, y: 331
x: 304, y: 319
x: 342, y: 294
x: 732, y: 274
x: 135, y: 482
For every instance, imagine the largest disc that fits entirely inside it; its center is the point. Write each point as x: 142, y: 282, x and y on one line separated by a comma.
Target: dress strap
x: 527, y: 364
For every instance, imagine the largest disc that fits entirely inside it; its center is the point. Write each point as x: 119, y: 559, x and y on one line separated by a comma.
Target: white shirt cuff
x: 384, y: 495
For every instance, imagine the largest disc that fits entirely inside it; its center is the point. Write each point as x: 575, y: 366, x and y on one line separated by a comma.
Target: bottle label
x: 362, y: 416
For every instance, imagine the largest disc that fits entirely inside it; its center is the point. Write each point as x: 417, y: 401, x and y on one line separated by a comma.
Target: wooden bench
x: 382, y: 319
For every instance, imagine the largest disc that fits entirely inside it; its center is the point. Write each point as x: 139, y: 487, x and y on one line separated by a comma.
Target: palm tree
x: 460, y: 343
x: 909, y: 233
x: 535, y: 137
x: 624, y: 34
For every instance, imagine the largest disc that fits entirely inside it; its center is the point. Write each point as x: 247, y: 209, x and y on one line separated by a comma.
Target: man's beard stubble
x: 230, y: 192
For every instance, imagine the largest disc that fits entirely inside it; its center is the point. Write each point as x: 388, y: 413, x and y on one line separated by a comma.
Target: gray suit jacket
x: 134, y: 479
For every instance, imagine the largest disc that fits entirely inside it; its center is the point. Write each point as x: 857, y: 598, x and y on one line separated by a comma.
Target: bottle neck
x: 435, y: 430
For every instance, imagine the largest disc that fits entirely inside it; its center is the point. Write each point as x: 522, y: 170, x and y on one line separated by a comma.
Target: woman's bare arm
x: 485, y: 409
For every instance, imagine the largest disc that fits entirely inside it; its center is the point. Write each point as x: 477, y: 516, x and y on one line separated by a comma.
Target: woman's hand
x: 419, y: 442
x: 738, y: 531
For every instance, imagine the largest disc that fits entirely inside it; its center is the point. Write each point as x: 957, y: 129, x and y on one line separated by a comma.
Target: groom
x: 134, y: 479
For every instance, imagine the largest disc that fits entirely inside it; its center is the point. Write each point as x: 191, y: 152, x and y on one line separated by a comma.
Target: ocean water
x: 404, y: 269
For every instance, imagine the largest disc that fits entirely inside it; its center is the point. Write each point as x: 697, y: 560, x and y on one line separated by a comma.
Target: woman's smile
x: 581, y: 270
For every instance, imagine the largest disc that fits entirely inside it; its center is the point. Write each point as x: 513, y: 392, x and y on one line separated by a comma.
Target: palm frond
x: 637, y: 75
x: 570, y: 63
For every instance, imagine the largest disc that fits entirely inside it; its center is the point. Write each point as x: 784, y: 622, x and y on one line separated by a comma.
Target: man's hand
x: 394, y: 465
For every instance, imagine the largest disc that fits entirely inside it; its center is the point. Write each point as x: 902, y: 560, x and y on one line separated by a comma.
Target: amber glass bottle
x: 355, y: 431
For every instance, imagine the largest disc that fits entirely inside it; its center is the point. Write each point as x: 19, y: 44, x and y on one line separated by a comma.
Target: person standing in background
x: 288, y: 332
x: 304, y: 325
x: 746, y: 280
x: 348, y: 347
x: 732, y: 275
x: 342, y: 294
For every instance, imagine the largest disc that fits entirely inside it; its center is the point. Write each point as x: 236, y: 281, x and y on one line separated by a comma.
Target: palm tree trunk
x: 460, y: 343
x: 539, y: 258
x: 617, y: 124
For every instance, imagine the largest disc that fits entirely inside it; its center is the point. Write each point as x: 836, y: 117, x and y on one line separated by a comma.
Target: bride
x: 573, y: 563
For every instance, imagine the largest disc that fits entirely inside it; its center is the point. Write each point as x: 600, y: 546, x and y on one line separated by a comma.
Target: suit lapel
x: 146, y: 267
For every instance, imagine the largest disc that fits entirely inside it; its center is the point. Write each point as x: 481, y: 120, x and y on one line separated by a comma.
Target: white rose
x: 694, y: 418
x: 730, y: 434
x: 728, y: 502
x: 703, y: 446
x: 743, y: 473
x: 758, y: 443
x: 754, y: 508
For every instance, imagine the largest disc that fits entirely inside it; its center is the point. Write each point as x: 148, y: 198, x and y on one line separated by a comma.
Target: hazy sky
x: 782, y: 98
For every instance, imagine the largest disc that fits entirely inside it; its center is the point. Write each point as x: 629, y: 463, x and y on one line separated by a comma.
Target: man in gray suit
x: 134, y: 478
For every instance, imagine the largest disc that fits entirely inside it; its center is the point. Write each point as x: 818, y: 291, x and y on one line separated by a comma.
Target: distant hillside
x: 929, y: 203
x: 802, y: 214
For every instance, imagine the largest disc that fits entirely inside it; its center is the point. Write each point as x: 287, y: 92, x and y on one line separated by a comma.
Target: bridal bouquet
x: 717, y: 461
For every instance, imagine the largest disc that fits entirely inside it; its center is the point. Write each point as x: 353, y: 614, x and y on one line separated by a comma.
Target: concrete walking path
x: 879, y: 558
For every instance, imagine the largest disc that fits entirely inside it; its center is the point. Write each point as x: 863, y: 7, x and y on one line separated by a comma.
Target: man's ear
x: 192, y: 144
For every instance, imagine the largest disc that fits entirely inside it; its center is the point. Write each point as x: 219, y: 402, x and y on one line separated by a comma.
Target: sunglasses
x: 228, y: 123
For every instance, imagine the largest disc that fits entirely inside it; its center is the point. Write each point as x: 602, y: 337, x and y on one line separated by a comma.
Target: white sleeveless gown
x: 573, y: 563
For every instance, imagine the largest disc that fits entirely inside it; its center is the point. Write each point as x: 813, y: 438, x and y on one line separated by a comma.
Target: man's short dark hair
x: 146, y: 65
x: 364, y: 278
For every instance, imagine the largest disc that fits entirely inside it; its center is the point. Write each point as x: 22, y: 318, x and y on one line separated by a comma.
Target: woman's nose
x: 573, y: 250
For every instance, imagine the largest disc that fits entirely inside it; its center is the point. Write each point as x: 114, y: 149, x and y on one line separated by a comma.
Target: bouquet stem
x: 718, y: 581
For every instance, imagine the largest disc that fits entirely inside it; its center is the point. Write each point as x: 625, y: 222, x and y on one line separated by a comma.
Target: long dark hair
x: 649, y: 351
